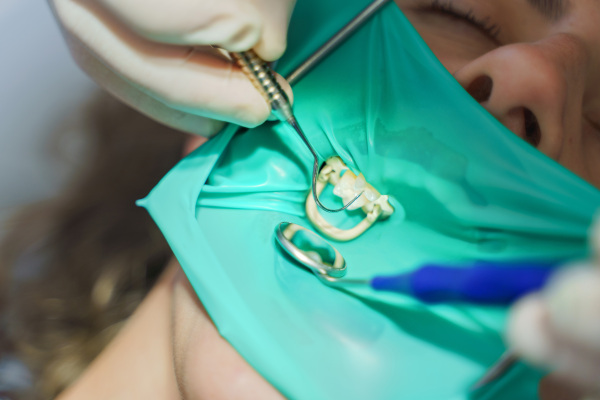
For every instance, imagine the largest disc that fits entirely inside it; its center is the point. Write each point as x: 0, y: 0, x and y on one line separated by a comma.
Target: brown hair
x: 75, y: 267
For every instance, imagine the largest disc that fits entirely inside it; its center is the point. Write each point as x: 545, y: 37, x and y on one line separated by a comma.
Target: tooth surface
x: 360, y: 183
x: 360, y: 202
x: 371, y: 195
x: 345, y: 185
x: 348, y: 186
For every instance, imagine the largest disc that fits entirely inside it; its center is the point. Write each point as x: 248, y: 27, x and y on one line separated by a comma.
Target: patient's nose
x: 534, y: 89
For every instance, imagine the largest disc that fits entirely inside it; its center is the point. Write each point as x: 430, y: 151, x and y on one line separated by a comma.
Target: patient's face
x: 533, y: 64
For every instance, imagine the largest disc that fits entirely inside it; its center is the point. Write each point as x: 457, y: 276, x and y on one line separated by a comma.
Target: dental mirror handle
x: 480, y: 283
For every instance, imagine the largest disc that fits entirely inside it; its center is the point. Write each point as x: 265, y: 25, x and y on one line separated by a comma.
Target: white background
x: 40, y: 90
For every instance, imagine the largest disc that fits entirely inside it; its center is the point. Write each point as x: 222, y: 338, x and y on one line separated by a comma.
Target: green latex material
x: 463, y: 186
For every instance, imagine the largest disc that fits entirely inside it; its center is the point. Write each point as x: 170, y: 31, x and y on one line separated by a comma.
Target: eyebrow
x: 551, y: 9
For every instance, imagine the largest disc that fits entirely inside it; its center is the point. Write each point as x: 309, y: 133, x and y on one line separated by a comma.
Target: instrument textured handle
x: 263, y: 78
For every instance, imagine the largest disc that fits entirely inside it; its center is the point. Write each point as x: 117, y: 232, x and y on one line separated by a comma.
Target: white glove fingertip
x: 527, y: 331
x: 232, y: 35
x: 249, y: 109
x: 573, y: 300
x: 271, y: 48
x: 273, y: 41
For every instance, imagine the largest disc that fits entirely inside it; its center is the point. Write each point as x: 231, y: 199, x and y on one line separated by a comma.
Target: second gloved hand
x: 157, y: 57
x: 559, y: 328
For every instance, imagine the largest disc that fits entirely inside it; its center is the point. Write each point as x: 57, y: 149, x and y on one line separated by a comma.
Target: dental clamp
x: 347, y: 186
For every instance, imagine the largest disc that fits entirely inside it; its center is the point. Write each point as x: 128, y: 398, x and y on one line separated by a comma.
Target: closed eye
x: 447, y: 9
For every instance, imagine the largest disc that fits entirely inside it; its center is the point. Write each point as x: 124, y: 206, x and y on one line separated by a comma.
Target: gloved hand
x: 559, y: 328
x: 156, y: 56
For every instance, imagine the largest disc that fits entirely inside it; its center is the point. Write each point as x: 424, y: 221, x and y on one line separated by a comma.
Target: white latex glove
x: 559, y: 328
x: 155, y: 55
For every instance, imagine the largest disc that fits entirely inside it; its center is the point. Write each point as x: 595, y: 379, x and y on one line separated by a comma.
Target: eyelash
x: 483, y: 24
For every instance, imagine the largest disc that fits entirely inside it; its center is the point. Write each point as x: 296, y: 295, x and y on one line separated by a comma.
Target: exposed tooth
x: 348, y: 186
x: 371, y: 195
x: 360, y: 183
x: 360, y: 202
x: 345, y: 185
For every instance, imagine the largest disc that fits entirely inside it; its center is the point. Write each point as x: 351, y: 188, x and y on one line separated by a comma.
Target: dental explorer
x: 263, y: 78
x: 497, y: 370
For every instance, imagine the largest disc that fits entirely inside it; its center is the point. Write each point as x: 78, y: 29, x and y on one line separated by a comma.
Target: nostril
x: 480, y: 88
x: 533, y: 133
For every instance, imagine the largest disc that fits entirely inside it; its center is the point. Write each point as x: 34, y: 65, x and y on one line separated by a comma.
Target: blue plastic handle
x: 481, y: 282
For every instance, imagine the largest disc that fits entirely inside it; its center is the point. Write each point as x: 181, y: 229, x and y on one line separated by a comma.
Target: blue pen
x: 492, y: 283
x: 479, y: 282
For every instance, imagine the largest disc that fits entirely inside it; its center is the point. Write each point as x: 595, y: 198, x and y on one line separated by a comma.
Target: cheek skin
x: 453, y: 41
x: 587, y: 165
x: 450, y: 59
x: 567, y: 60
x: 206, y: 366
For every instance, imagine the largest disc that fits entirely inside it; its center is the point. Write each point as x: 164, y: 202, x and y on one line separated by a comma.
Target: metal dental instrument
x: 264, y: 80
x: 477, y: 283
x: 336, y: 40
x: 311, y: 250
x: 489, y: 283
x: 262, y: 77
x: 497, y: 370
